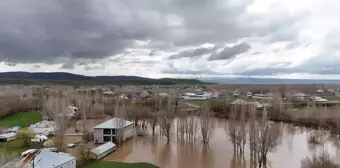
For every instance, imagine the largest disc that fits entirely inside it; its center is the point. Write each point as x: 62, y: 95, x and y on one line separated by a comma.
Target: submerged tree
x: 205, y: 122
x: 323, y: 160
x: 167, y: 116
x: 264, y: 138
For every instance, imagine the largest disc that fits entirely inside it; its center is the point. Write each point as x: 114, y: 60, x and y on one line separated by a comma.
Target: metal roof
x: 8, y: 135
x: 114, y: 123
x: 42, y: 159
x: 44, y: 124
x: 103, y: 148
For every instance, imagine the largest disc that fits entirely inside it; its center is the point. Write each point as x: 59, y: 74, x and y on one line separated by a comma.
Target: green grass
x: 21, y: 119
x: 109, y: 164
x: 15, y: 146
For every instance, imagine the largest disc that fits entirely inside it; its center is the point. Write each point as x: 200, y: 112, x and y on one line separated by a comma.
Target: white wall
x: 70, y: 164
x: 105, y: 153
x: 128, y: 132
x: 98, y: 135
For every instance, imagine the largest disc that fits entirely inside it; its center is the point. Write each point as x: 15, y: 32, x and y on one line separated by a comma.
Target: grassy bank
x: 108, y: 164
x: 14, y: 147
x: 20, y: 119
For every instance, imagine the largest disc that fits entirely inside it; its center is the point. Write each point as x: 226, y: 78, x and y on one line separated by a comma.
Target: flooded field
x: 178, y: 153
x: 219, y: 153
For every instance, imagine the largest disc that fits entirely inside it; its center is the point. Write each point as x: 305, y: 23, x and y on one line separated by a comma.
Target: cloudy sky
x: 172, y: 38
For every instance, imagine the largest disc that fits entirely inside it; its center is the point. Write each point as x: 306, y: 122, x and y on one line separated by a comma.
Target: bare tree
x: 269, y: 136
x: 56, y: 106
x: 205, y: 122
x: 323, y: 160
x: 167, y: 116
x: 120, y: 113
x: 232, y: 128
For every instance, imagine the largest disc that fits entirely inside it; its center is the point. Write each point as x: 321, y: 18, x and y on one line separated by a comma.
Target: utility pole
x: 33, y: 161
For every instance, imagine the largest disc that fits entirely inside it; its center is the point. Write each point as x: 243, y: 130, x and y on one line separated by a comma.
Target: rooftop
x: 103, y: 148
x: 42, y: 159
x: 113, y: 124
x: 43, y: 124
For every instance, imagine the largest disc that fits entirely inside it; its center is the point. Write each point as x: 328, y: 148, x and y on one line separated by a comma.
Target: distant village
x: 105, y: 133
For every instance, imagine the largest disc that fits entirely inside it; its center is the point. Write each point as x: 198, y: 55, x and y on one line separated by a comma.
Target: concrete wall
x: 70, y: 164
x: 98, y: 135
x: 128, y: 132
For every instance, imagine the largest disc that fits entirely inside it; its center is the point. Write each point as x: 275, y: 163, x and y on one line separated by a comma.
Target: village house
x: 40, y: 158
x: 102, y: 150
x: 108, y: 130
x: 44, y: 127
x: 299, y: 97
x: 7, y: 137
x: 327, y: 94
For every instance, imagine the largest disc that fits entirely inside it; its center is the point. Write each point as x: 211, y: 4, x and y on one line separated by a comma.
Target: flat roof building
x: 108, y: 130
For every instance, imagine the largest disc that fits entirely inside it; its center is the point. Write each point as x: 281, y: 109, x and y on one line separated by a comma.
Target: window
x: 114, y: 132
x: 107, y: 131
x: 107, y: 138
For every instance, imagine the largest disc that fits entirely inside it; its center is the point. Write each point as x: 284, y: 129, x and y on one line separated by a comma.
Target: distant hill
x: 75, y: 79
x: 245, y: 80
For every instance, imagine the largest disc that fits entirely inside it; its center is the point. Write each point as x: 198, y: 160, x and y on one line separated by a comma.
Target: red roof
x: 213, y: 90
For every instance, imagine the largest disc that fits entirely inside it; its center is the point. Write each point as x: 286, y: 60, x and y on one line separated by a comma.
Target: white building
x: 43, y: 159
x: 44, y: 127
x: 7, y: 137
x: 102, y: 150
x: 318, y: 99
x: 108, y: 130
x: 193, y: 96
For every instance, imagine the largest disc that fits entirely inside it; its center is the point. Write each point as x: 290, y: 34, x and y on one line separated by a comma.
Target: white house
x: 43, y: 159
x: 102, y: 150
x: 44, y: 127
x: 193, y: 96
x: 7, y: 137
x: 108, y: 130
x: 318, y: 99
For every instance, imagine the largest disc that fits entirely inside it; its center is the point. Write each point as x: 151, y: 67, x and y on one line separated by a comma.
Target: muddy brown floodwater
x: 293, y: 147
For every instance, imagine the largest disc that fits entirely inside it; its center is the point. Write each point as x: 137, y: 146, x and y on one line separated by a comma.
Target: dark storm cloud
x: 39, y: 31
x: 193, y: 52
x: 230, y: 52
x: 68, y: 65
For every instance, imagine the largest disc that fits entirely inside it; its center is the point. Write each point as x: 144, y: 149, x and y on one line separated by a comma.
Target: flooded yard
x: 177, y: 153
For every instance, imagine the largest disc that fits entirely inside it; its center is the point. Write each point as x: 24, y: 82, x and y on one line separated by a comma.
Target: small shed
x: 103, y: 150
x: 14, y: 129
x: 7, y: 137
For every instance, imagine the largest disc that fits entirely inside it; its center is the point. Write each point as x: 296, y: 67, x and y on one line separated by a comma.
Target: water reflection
x: 293, y: 147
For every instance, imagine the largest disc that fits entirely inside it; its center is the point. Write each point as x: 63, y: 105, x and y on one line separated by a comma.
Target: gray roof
x: 42, y: 159
x: 103, y: 148
x: 44, y: 124
x: 8, y: 135
x: 114, y: 123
